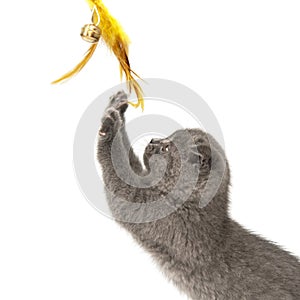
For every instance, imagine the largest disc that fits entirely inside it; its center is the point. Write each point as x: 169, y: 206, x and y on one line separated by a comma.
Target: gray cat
x: 205, y: 253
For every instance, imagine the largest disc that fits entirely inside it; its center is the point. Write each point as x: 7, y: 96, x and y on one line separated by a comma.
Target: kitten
x: 205, y: 253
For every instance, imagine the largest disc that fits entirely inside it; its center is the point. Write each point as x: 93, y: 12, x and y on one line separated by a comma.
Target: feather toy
x: 105, y: 26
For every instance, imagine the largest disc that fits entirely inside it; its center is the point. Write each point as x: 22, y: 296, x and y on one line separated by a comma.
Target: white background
x: 242, y: 57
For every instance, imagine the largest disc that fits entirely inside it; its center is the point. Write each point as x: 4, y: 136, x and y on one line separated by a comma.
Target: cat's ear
x: 200, y: 154
x: 194, y: 156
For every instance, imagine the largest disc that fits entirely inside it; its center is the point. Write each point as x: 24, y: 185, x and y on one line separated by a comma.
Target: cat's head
x: 190, y: 146
x: 191, y: 152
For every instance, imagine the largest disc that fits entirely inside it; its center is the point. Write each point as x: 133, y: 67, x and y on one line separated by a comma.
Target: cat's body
x: 202, y: 250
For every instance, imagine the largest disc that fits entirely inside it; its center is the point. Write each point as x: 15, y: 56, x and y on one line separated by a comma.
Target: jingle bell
x: 91, y: 33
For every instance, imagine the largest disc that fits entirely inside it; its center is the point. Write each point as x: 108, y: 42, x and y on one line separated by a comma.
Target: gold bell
x: 91, y: 33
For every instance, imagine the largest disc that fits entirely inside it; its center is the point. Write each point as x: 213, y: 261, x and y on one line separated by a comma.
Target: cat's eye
x: 165, y: 149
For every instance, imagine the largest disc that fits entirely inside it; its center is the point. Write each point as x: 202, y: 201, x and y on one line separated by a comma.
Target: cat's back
x: 260, y: 267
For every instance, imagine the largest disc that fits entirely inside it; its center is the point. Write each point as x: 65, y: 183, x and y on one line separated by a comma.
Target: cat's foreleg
x: 121, y: 99
x: 115, y: 154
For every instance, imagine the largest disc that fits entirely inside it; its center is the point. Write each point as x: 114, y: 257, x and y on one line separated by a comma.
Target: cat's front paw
x: 111, y: 123
x: 119, y: 101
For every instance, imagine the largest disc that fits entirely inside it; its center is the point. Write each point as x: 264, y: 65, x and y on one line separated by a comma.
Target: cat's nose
x: 157, y: 147
x: 154, y: 141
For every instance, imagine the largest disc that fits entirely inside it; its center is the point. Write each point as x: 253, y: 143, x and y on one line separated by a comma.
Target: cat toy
x: 104, y: 26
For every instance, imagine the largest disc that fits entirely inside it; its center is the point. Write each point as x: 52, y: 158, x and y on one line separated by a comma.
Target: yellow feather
x: 79, y: 67
x: 117, y: 41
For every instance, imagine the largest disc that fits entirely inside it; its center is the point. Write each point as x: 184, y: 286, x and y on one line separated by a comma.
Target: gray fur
x: 205, y: 253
